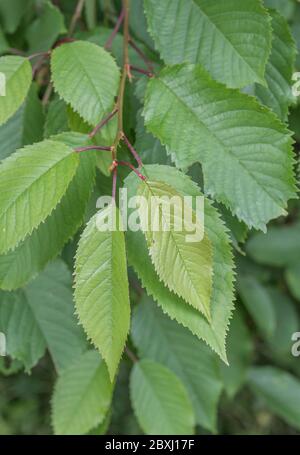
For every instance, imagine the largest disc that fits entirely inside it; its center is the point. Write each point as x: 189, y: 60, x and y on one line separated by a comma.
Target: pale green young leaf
x: 48, y: 239
x: 279, y: 70
x: 160, y: 401
x: 82, y: 396
x: 101, y: 287
x: 213, y: 334
x: 280, y: 390
x: 32, y: 182
x: 176, y: 348
x: 231, y: 39
x: 86, y: 77
x: 185, y: 266
x: 228, y: 132
x: 16, y: 76
x: 40, y: 317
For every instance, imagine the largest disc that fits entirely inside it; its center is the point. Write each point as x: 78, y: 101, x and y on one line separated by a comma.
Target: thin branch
x: 142, y: 55
x: 142, y: 71
x: 113, y: 34
x: 133, y: 151
x: 39, y: 54
x: 92, y: 147
x: 126, y: 163
x: 131, y: 355
x: 125, y: 74
x: 114, y: 185
x: 103, y: 123
x: 47, y: 94
x: 76, y: 16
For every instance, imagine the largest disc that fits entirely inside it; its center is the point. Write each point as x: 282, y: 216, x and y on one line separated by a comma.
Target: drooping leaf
x: 47, y: 240
x: 278, y: 94
x: 16, y: 75
x: 42, y: 317
x: 86, y: 77
x: 160, y: 401
x: 176, y: 348
x: 185, y: 266
x: 228, y: 132
x: 280, y: 390
x: 213, y: 334
x: 82, y: 396
x: 231, y: 39
x: 101, y: 290
x: 32, y: 182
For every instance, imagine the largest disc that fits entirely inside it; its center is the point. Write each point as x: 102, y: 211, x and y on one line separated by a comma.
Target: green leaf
x: 56, y: 118
x: 18, y: 76
x: 86, y: 77
x: 287, y: 323
x: 12, y: 11
x: 279, y: 247
x: 82, y: 396
x: 228, y: 132
x: 44, y: 31
x: 279, y: 71
x: 286, y: 8
x: 24, y: 127
x: 232, y: 40
x: 32, y: 182
x: 213, y: 334
x: 160, y: 401
x: 101, y: 290
x: 259, y: 304
x: 42, y: 316
x: 240, y: 350
x: 292, y: 276
x: 149, y: 148
x: 280, y: 390
x: 19, y: 265
x: 25, y: 340
x: 176, y: 348
x: 184, y: 266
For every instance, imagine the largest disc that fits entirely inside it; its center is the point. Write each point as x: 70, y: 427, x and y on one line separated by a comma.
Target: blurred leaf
x: 258, y: 303
x: 188, y: 357
x: 160, y: 401
x: 24, y: 127
x: 280, y: 247
x: 240, y: 350
x: 82, y: 396
x: 292, y: 276
x: 44, y: 31
x: 280, y: 390
x: 41, y: 317
x: 287, y: 322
